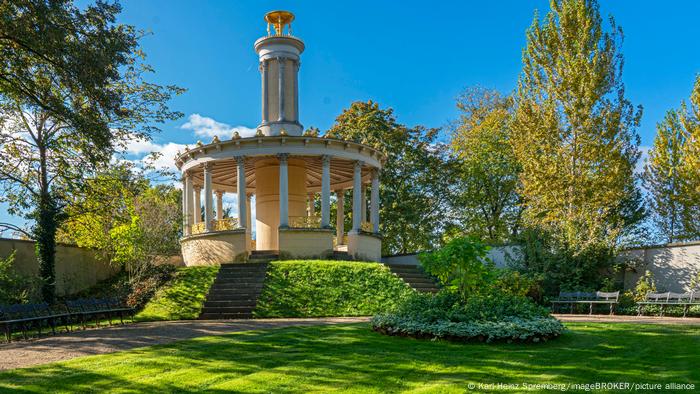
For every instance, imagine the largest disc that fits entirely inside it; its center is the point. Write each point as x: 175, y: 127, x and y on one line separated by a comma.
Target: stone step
x: 237, y: 297
x: 237, y: 288
x: 412, y: 275
x: 228, y: 303
x: 238, y: 294
x: 219, y: 316
x: 228, y: 309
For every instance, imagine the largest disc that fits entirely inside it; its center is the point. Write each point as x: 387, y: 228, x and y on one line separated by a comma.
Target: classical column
x: 186, y: 197
x: 197, y: 204
x: 242, y: 198
x: 364, y: 203
x: 340, y: 216
x: 357, y: 199
x: 326, y: 192
x: 219, y: 204
x: 297, y: 64
x: 280, y: 73
x: 374, y: 198
x: 208, y: 200
x: 284, y: 191
x: 248, y: 215
x: 265, y: 97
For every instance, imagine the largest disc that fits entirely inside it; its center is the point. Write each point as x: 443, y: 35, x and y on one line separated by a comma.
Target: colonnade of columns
x: 192, y: 199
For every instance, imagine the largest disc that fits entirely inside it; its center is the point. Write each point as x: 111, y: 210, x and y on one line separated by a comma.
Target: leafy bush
x: 147, y: 281
x: 315, y: 288
x: 461, y: 265
x: 489, y: 316
x: 15, y: 288
x: 182, y: 297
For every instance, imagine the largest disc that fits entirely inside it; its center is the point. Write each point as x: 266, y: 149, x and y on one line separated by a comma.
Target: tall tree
x: 663, y: 177
x: 487, y: 201
x: 690, y: 119
x: 72, y: 91
x: 574, y: 130
x: 414, y: 182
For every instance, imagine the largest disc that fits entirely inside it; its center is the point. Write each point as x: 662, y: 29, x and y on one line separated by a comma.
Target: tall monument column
x: 279, y: 54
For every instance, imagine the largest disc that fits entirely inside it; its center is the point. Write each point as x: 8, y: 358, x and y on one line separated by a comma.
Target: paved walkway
x: 627, y: 319
x: 112, y: 339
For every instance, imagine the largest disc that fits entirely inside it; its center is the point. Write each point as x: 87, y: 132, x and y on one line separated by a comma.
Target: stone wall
x: 673, y: 265
x: 76, y: 268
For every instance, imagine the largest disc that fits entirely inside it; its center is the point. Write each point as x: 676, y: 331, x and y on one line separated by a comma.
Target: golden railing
x: 216, y: 225
x: 225, y: 224
x: 366, y: 227
x: 305, y: 221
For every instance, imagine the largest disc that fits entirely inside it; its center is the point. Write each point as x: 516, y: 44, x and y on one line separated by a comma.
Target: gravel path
x: 113, y: 339
x: 65, y: 346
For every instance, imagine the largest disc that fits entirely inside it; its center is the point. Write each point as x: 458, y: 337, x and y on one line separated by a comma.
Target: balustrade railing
x: 343, y: 241
x: 305, y: 221
x: 216, y: 225
x: 366, y: 227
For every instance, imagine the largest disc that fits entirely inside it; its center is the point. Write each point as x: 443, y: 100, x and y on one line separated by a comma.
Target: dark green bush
x: 489, y: 316
x: 314, y: 288
x: 15, y: 288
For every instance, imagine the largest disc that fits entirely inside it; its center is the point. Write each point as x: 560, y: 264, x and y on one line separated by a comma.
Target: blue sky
x: 412, y: 56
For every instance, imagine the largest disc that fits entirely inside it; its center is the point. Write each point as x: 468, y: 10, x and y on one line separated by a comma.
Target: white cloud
x: 208, y: 127
x: 165, y: 159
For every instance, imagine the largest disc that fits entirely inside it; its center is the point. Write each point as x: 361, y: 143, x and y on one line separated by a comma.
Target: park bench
x: 95, y: 308
x: 663, y: 300
x: 572, y: 299
x: 28, y: 316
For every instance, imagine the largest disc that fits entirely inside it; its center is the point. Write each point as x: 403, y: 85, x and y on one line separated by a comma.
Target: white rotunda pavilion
x: 285, y: 169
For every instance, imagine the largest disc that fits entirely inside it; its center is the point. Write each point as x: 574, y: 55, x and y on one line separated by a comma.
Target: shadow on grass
x: 351, y: 357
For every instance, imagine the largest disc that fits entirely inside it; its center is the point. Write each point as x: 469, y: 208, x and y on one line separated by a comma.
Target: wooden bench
x: 663, y: 300
x: 587, y: 298
x: 28, y: 316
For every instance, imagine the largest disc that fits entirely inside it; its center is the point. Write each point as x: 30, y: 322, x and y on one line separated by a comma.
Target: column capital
x: 197, y: 188
x: 240, y: 159
x: 359, y: 163
x: 207, y: 166
x: 326, y: 159
x: 219, y: 193
x: 283, y: 157
x: 376, y: 172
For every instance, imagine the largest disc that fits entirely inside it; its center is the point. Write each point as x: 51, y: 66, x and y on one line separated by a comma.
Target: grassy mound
x: 316, y: 288
x: 182, y: 297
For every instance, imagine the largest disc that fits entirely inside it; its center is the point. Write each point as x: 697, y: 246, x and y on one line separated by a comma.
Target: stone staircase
x: 235, y: 291
x: 263, y: 256
x: 415, y: 277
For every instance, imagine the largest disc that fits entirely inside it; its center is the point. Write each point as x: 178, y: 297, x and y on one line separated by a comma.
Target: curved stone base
x: 365, y: 246
x: 215, y: 248
x: 306, y: 242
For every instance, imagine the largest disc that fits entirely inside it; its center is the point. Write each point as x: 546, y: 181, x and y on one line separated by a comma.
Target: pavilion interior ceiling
x: 224, y: 173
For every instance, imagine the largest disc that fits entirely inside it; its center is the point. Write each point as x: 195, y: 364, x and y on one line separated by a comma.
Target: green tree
x: 415, y: 180
x: 575, y: 139
x: 72, y: 91
x: 574, y: 130
x: 487, y: 201
x: 690, y: 191
x: 663, y: 177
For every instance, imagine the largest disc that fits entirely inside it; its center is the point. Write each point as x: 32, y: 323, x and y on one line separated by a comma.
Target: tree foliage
x: 575, y: 138
x: 415, y: 179
x: 72, y: 91
x: 487, y: 204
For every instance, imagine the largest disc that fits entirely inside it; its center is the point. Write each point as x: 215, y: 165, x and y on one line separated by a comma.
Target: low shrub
x: 489, y: 316
x: 316, y: 288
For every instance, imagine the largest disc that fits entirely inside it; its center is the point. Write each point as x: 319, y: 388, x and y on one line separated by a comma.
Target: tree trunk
x: 45, y: 233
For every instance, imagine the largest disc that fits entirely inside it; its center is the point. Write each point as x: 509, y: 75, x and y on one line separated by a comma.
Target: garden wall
x: 673, y: 265
x: 76, y: 268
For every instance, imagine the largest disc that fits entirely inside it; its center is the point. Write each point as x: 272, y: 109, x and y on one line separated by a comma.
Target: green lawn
x: 182, y: 298
x: 353, y: 358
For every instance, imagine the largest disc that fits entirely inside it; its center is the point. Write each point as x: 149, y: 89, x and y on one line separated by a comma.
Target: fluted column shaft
x: 340, y: 216
x: 219, y: 205
x: 242, y: 203
x: 326, y: 192
x: 197, y: 204
x: 284, y: 191
x: 357, y: 198
x: 374, y: 199
x: 208, y: 197
x: 265, y: 95
x: 280, y: 73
